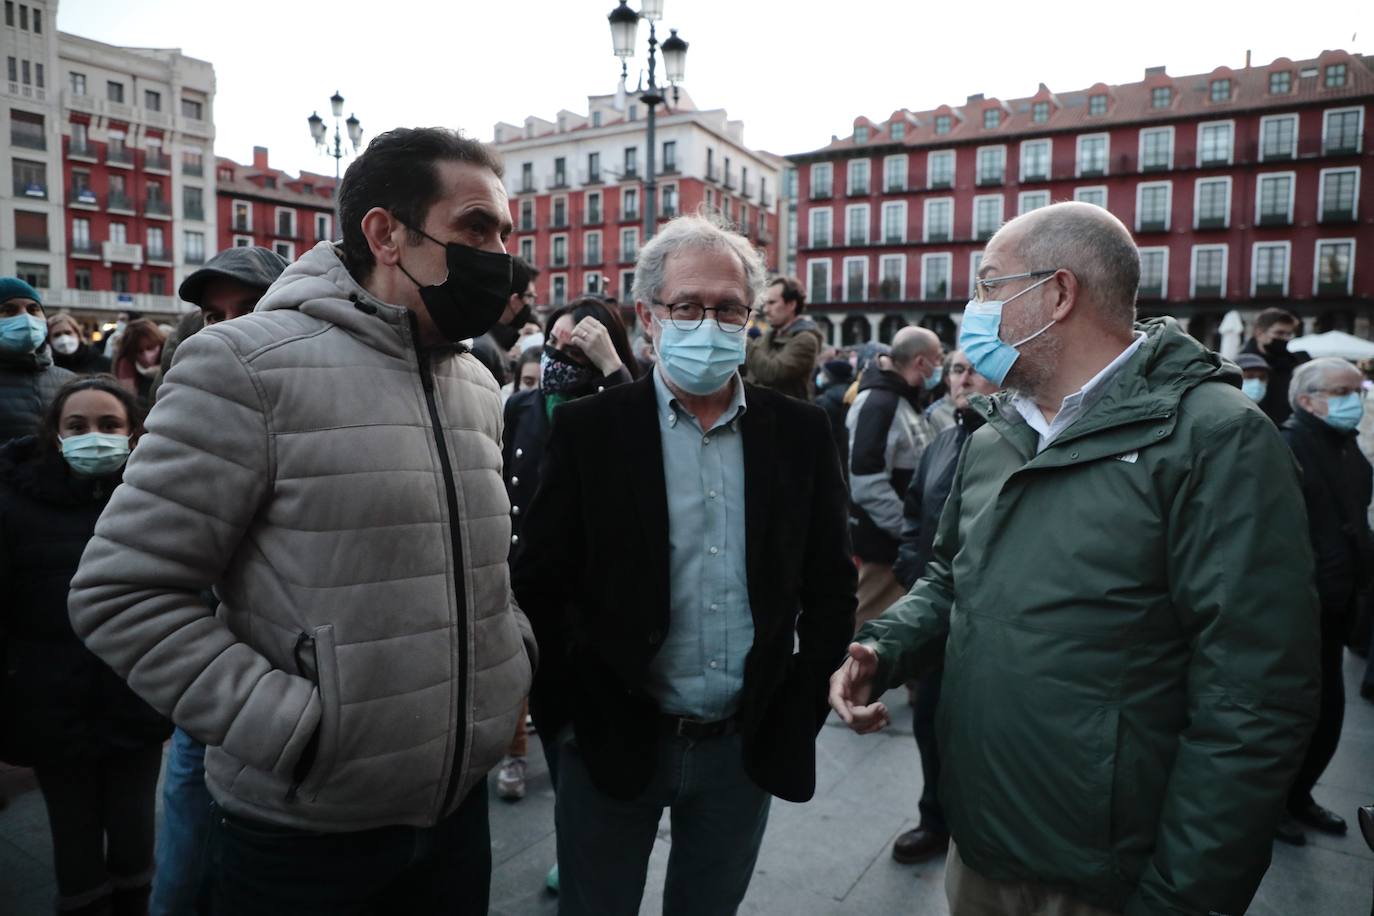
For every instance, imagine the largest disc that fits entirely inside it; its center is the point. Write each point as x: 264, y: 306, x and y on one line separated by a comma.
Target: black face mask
x: 1276, y: 347
x: 472, y: 296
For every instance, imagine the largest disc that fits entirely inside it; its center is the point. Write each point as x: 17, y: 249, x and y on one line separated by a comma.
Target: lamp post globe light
x: 319, y: 133
x: 624, y: 34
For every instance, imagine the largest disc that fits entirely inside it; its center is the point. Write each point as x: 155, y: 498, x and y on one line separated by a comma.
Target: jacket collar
x: 1305, y: 420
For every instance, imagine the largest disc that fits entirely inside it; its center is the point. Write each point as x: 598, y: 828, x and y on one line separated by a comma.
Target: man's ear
x: 383, y: 233
x: 644, y: 315
x: 1066, y: 291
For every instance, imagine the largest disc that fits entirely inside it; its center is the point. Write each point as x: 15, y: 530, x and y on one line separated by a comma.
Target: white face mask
x: 147, y: 371
x: 66, y: 344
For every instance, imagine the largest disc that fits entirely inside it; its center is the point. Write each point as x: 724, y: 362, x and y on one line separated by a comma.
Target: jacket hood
x: 1168, y: 365
x: 31, y: 361
x: 887, y: 380
x: 46, y: 477
x: 319, y: 285
x: 801, y: 325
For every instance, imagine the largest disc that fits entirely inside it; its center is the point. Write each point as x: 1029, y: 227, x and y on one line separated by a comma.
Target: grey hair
x: 1092, y: 244
x: 691, y: 232
x: 1311, y: 376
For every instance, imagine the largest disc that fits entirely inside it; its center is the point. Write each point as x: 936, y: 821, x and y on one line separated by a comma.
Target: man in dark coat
x: 28, y: 378
x: 684, y: 523
x: 1327, y: 401
x: 925, y: 500
x: 1274, y: 328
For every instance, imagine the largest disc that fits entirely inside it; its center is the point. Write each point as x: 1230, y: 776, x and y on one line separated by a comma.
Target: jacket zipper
x: 451, y: 493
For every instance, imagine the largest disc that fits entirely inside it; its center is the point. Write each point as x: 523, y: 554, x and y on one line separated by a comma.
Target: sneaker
x: 510, y: 779
x: 551, y: 882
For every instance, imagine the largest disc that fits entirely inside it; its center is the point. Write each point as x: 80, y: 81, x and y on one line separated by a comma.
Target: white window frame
x: 826, y: 168
x: 624, y: 194
x: 1321, y: 189
x: 953, y: 168
x: 591, y: 282
x: 553, y: 280
x: 900, y: 259
x: 1287, y: 247
x: 1078, y: 193
x: 1001, y: 210
x: 829, y: 278
x: 1021, y: 200
x: 897, y: 205
x: 1317, y: 267
x: 1264, y: 122
x: 246, y: 240
x: 1359, y: 127
x: 1140, y: 152
x: 905, y: 160
x: 1225, y: 267
x: 600, y: 244
x: 328, y: 225
x: 851, y: 168
x: 289, y: 246
x: 534, y: 249
x: 1197, y: 198
x: 1000, y: 148
x: 663, y: 189
x: 1292, y: 192
x: 929, y: 258
x: 849, y: 210
x: 1168, y: 203
x: 276, y: 222
x: 811, y: 227
x: 925, y: 217
x: 623, y: 246
x: 1164, y: 272
x: 553, y: 248
x: 1049, y: 158
x: 1106, y: 153
x: 844, y: 272
x: 233, y: 208
x: 1230, y: 152
x: 975, y: 261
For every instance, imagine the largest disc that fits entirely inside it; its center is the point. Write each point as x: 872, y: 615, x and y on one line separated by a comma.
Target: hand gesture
x: 849, y: 691
x: 591, y: 337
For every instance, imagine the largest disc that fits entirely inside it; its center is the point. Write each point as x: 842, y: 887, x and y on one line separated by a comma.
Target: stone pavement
x: 829, y: 857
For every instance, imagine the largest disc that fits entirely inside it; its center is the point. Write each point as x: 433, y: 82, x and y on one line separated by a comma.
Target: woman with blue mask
x: 28, y: 378
x: 1327, y: 398
x: 95, y: 747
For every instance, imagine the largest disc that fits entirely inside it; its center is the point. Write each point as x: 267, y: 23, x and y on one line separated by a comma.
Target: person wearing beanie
x: 28, y: 378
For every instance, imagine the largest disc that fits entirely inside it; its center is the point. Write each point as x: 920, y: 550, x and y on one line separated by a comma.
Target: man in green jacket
x: 1120, y: 591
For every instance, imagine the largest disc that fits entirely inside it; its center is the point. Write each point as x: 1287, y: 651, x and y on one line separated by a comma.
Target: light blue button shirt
x: 699, y: 670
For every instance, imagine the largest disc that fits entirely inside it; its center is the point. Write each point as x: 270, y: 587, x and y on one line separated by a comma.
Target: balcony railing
x: 1153, y: 225
x: 1092, y: 171
x: 729, y: 183
x: 631, y: 173
x: 31, y: 189
x: 157, y: 162
x: 558, y: 180
x: 983, y: 233
x: 559, y: 221
x: 157, y: 208
x: 192, y: 168
x: 937, y: 235
x: 992, y: 178
x: 1338, y: 215
x: 822, y: 192
x: 196, y: 213
x: 161, y: 255
x: 1211, y: 222
x: 1151, y: 292
x: 894, y: 187
x: 82, y: 151
x: 1338, y: 287
x: 936, y: 291
x: 28, y: 139
x: 121, y: 253
x: 630, y: 215
x: 857, y: 189
x: 1207, y: 291
x: 1268, y: 290
x: 712, y: 173
x: 119, y: 156
x: 941, y: 183
x: 1151, y: 165
x: 1338, y: 146
x: 83, y: 197
x: 120, y: 202
x: 25, y: 240
x: 86, y: 247
x: 592, y: 217
x: 1274, y: 219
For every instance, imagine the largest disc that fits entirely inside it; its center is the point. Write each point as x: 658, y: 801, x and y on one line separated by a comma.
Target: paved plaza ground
x: 830, y: 856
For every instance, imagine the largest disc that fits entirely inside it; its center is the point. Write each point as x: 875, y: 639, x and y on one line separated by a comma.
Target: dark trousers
x: 269, y: 870
x: 923, y: 727
x: 101, y: 816
x: 1330, y: 714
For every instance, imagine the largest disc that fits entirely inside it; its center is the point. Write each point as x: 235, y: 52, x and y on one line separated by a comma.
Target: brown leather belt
x: 682, y: 727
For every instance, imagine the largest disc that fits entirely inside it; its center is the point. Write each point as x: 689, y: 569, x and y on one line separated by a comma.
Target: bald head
x: 911, y: 342
x: 1090, y: 243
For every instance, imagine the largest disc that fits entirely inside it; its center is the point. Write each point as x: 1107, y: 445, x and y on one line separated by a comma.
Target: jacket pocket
x: 316, y: 660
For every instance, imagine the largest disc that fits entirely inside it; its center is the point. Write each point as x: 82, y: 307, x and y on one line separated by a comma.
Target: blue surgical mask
x: 22, y: 333
x: 700, y: 361
x: 1344, y: 412
x: 933, y: 382
x: 820, y: 380
x: 95, y: 454
x: 991, y: 356
x: 1254, y: 388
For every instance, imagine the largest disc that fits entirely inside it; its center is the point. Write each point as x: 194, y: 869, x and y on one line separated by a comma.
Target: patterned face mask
x: 559, y: 374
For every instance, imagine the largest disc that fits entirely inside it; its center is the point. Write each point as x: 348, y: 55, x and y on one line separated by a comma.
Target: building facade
x: 576, y: 189
x: 260, y: 205
x: 110, y: 198
x: 1244, y: 188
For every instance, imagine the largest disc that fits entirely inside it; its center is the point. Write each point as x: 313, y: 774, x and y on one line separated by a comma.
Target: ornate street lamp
x: 319, y: 133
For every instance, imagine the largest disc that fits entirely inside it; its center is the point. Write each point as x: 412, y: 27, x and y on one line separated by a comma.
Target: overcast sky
x: 795, y: 73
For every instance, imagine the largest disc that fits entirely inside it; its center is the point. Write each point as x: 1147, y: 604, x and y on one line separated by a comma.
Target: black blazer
x: 593, y: 578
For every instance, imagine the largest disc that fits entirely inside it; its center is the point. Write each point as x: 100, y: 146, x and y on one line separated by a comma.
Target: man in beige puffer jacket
x: 331, y: 465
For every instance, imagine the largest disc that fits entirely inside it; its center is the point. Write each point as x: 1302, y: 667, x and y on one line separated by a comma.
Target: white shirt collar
x: 1076, y: 404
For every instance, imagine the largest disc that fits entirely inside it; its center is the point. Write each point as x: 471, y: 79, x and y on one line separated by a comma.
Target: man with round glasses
x: 723, y: 507
x: 1120, y: 591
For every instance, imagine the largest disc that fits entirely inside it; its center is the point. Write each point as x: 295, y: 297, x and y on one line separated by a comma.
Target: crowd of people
x: 359, y: 524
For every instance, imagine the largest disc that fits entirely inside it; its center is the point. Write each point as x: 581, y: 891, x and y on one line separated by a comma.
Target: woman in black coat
x: 95, y: 747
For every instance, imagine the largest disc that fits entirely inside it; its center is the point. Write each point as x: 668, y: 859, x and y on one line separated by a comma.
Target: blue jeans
x: 181, y: 886
x: 718, y: 820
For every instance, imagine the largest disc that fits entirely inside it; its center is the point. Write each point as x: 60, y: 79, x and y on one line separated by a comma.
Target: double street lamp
x: 624, y: 34
x: 318, y: 132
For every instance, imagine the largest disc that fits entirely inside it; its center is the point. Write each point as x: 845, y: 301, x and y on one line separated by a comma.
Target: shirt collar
x: 1075, y: 404
x: 670, y: 409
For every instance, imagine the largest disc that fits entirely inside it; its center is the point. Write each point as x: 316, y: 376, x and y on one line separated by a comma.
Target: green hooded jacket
x: 1129, y: 634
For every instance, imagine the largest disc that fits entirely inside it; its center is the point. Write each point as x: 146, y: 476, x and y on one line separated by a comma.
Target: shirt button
x: 714, y: 663
x: 515, y: 539
x: 519, y: 452
x: 714, y: 551
x: 711, y: 493
x: 715, y: 607
x: 514, y: 510
x: 515, y: 481
x: 705, y: 440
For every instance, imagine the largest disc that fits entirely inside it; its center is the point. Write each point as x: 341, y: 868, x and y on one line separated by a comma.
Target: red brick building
x: 576, y: 189
x: 1244, y: 189
x: 260, y: 205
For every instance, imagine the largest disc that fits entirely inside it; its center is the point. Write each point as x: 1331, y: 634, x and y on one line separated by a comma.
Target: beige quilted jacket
x: 342, y: 493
